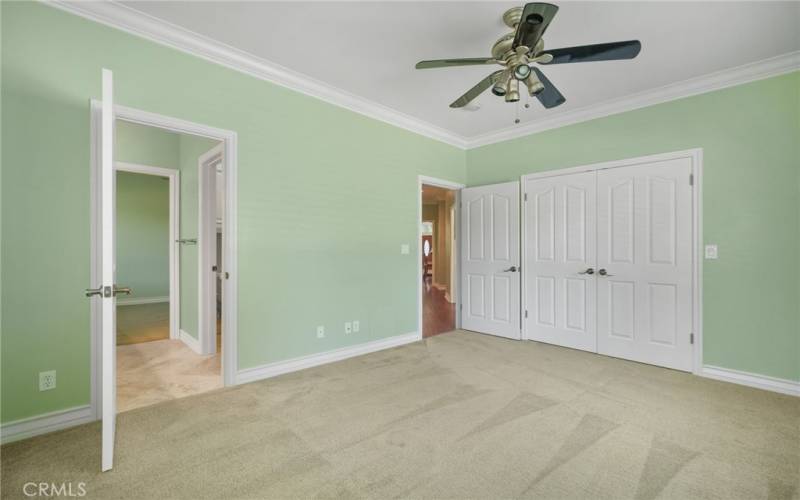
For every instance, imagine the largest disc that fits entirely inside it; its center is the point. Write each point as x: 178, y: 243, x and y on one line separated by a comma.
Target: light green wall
x: 750, y: 137
x: 144, y: 145
x: 143, y: 209
x: 308, y: 249
x: 190, y: 148
x: 143, y: 234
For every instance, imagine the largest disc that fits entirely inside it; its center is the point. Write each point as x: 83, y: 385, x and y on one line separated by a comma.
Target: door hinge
x: 691, y: 338
x: 526, y: 313
x: 525, y: 197
x: 691, y: 179
x: 461, y: 307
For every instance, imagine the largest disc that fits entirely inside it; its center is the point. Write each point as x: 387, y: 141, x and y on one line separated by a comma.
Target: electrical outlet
x: 320, y: 332
x: 405, y: 249
x: 711, y: 251
x: 348, y: 327
x: 47, y: 380
x: 356, y: 326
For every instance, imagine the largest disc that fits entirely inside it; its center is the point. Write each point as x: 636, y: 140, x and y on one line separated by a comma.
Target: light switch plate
x: 405, y: 249
x: 356, y: 326
x: 348, y: 327
x: 320, y: 332
x: 711, y: 252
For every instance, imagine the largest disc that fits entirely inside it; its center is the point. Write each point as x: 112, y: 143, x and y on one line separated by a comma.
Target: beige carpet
x: 142, y: 323
x: 153, y: 372
x: 459, y: 415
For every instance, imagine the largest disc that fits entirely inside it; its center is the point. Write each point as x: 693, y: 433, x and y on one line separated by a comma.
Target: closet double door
x: 608, y: 261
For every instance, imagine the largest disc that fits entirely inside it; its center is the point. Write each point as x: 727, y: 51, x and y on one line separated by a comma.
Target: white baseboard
x: 791, y: 387
x: 42, y: 424
x: 135, y: 301
x: 303, y: 362
x: 193, y: 343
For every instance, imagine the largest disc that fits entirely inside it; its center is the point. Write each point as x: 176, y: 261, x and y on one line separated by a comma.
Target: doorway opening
x: 439, y: 281
x: 162, y: 352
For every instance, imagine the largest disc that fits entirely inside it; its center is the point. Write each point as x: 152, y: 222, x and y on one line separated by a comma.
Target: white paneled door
x: 608, y: 258
x: 560, y: 260
x: 490, y: 278
x: 644, y: 263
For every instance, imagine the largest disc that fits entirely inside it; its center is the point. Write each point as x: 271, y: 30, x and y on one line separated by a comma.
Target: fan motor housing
x: 502, y: 47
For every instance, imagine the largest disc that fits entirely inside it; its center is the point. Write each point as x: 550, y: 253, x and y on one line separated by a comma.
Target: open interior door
x: 108, y: 256
x: 490, y: 273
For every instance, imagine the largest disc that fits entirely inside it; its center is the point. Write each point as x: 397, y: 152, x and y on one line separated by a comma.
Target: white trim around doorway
x: 229, y: 140
x: 174, y: 178
x: 696, y: 155
x: 455, y: 255
x: 206, y: 246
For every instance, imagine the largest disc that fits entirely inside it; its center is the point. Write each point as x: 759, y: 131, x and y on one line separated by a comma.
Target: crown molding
x: 124, y: 18
x: 137, y: 23
x: 739, y: 75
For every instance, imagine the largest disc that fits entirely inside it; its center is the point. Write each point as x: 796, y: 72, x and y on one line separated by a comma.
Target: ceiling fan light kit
x: 519, y: 51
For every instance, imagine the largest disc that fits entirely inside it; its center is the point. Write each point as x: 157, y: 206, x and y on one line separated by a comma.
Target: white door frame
x: 173, y: 176
x: 455, y: 254
x: 696, y: 156
x: 207, y: 245
x: 230, y: 306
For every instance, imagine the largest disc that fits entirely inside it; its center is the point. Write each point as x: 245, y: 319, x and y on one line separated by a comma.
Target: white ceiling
x: 369, y: 48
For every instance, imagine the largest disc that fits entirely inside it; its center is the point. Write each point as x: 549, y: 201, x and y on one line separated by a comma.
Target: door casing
x: 207, y: 250
x: 229, y: 140
x: 696, y: 156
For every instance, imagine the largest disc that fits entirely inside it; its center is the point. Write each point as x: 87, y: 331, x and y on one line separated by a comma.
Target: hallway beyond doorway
x: 438, y: 315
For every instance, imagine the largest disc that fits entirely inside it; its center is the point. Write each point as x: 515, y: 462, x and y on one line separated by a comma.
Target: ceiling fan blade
x: 535, y: 19
x: 444, y: 63
x: 550, y: 97
x: 477, y: 90
x: 600, y: 52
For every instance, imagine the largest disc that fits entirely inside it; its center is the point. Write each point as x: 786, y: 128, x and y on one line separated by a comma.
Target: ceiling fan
x: 519, y: 50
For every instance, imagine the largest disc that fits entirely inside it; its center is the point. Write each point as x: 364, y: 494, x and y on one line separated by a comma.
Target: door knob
x: 94, y: 291
x: 587, y: 271
x: 511, y: 269
x: 121, y: 289
x: 602, y: 272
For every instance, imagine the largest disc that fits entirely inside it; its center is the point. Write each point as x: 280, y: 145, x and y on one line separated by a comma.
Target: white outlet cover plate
x: 405, y: 249
x: 711, y: 252
x: 47, y: 380
x: 320, y: 332
x: 348, y: 327
x: 356, y: 326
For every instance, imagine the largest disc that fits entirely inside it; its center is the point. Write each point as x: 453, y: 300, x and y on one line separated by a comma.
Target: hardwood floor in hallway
x: 438, y: 315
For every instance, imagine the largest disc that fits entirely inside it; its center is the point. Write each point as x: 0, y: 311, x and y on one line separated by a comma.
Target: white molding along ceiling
x: 156, y: 30
x: 715, y: 81
x: 134, y: 21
